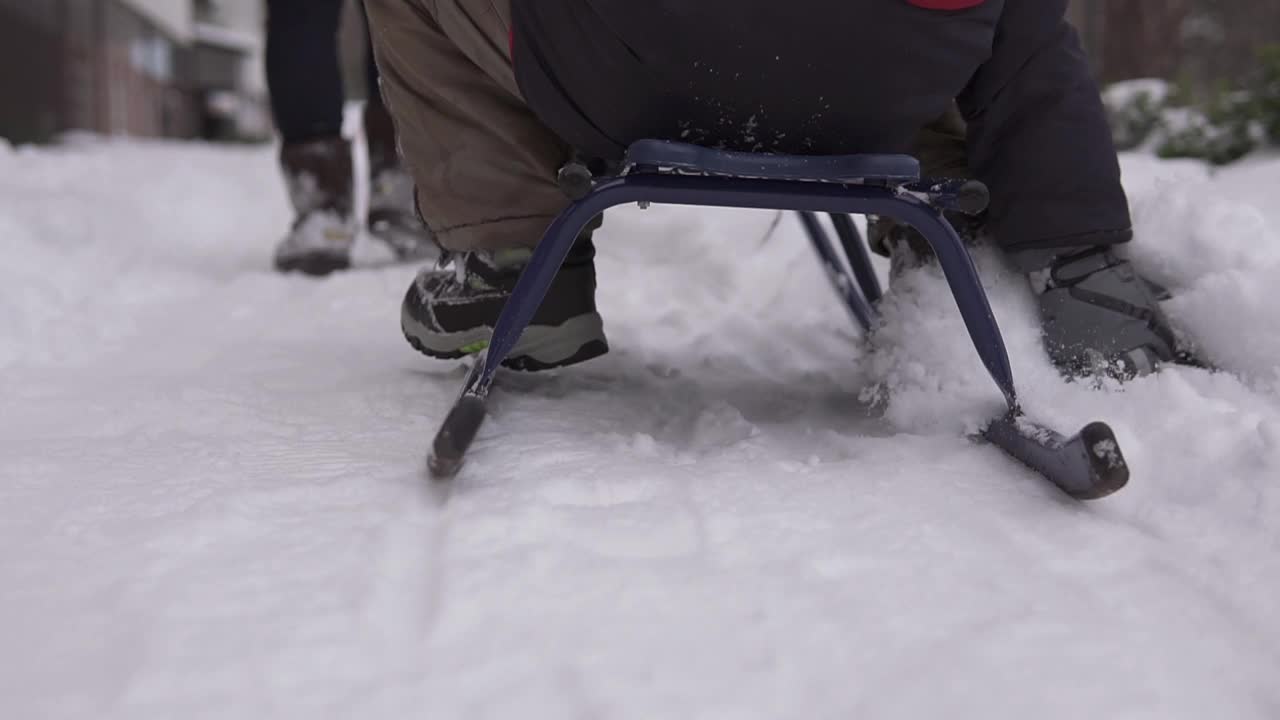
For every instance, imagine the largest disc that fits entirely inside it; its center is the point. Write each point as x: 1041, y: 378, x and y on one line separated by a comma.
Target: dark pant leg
x: 379, y: 128
x: 370, y: 62
x: 304, y: 75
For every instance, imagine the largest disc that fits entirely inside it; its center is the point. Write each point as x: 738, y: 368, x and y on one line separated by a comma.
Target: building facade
x: 1202, y: 44
x: 152, y: 68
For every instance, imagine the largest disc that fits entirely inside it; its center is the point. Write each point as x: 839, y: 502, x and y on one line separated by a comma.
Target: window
x: 152, y: 55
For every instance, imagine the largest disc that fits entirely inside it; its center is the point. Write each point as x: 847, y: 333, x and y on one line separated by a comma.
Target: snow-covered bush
x: 1219, y: 127
x: 1134, y: 109
x: 1223, y: 131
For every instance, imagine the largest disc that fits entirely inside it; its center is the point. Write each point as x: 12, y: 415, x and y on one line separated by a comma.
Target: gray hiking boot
x: 1099, y: 317
x: 318, y: 177
x: 449, y: 312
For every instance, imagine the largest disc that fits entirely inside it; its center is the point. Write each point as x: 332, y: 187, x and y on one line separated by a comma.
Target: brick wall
x: 144, y: 78
x: 92, y: 65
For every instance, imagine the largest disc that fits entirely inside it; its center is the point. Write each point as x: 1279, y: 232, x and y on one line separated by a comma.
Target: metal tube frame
x: 1087, y: 465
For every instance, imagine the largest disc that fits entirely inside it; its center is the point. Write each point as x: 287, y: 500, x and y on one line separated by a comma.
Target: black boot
x: 450, y: 312
x: 318, y: 175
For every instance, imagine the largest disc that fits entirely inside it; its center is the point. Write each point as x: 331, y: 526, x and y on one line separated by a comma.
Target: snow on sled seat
x: 668, y: 156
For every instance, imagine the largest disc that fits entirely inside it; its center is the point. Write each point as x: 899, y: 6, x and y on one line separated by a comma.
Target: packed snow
x: 213, y: 505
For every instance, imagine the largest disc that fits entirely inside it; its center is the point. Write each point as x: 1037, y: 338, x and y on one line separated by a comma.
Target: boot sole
x: 541, y: 347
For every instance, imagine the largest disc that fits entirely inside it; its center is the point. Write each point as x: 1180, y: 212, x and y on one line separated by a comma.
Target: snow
x: 212, y: 502
x: 1127, y: 92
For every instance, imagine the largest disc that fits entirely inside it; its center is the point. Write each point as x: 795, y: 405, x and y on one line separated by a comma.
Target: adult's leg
x: 304, y: 75
x: 304, y: 80
x: 393, y: 214
x: 379, y: 128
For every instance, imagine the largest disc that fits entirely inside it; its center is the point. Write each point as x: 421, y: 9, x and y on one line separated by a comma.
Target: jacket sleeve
x: 1038, y: 136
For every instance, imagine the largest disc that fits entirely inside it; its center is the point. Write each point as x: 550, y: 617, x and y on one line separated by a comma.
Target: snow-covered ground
x: 212, y: 502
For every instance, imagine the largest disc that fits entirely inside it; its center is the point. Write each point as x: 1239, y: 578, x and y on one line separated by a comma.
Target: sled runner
x: 1087, y: 465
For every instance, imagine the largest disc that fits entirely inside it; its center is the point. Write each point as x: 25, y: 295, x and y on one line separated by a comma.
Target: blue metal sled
x: 1087, y: 465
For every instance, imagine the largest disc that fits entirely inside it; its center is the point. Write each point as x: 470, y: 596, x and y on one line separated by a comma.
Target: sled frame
x: 1086, y: 465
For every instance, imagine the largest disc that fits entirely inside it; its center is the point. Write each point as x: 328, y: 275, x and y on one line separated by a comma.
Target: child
x: 492, y: 96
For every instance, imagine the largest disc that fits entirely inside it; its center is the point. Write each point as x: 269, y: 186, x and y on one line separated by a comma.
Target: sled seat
x: 678, y: 157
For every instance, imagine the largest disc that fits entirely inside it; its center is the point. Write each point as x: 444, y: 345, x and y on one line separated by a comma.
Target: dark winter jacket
x: 840, y: 76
